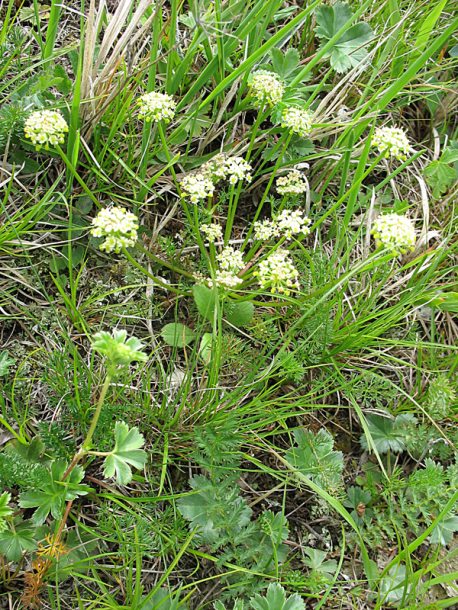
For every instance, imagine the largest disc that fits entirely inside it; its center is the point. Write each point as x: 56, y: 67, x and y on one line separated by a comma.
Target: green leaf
x: 205, y: 299
x: 286, y: 65
x: 444, y: 530
x: 388, y: 433
x: 440, y: 174
x: 239, y: 313
x: 205, y: 347
x: 393, y: 586
x: 5, y: 510
x: 317, y: 562
x: 5, y: 363
x: 20, y: 538
x: 315, y: 458
x: 349, y: 49
x: 275, y: 599
x: 162, y: 599
x: 177, y: 335
x: 126, y: 453
x: 52, y: 494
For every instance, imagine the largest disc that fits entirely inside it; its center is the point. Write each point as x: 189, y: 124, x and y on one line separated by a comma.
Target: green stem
x: 95, y: 418
x: 156, y: 280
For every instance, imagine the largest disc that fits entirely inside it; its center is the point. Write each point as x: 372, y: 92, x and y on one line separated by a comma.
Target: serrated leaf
x: 205, y: 300
x: 50, y: 498
x: 276, y: 599
x: 5, y: 363
x: 349, y: 49
x: 126, y: 453
x: 176, y: 334
x: 239, y: 313
x: 315, y: 458
x: 444, y: 531
x: 387, y: 433
x: 13, y: 542
x: 5, y: 510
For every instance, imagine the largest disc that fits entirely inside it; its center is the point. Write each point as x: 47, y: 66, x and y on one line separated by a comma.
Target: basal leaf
x: 13, y: 542
x: 177, y: 335
x: 276, y: 599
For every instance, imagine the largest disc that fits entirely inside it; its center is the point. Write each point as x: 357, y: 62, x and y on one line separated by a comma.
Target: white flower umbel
x: 155, y: 106
x: 293, y: 183
x: 212, y: 232
x: 118, y: 226
x: 266, y: 88
x: 197, y: 187
x: 392, y: 142
x: 297, y: 121
x: 265, y: 230
x: 45, y: 128
x: 230, y: 259
x: 225, y: 279
x: 278, y: 273
x: 395, y: 232
x: 233, y: 169
x: 292, y: 222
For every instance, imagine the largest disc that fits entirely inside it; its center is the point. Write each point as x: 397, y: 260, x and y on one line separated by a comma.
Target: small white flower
x: 265, y: 230
x: 395, y: 232
x: 213, y: 232
x: 293, y: 183
x: 392, y: 142
x: 297, y: 121
x: 266, y: 88
x: 155, y: 106
x: 292, y: 222
x: 226, y: 279
x: 45, y: 127
x: 197, y: 187
x: 230, y: 259
x: 278, y: 273
x: 118, y: 226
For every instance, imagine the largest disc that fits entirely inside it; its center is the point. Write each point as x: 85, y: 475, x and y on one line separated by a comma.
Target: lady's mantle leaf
x: 349, y: 49
x: 126, y: 453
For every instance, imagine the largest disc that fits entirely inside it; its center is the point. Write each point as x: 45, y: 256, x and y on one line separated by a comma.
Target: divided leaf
x: 126, y: 453
x: 276, y: 599
x: 13, y: 542
x: 315, y: 457
x: 5, y: 510
x: 387, y: 433
x: 348, y: 51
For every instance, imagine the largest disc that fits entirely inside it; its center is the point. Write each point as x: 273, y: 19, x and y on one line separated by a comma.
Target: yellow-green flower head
x: 118, y: 350
x: 297, y: 120
x: 197, y: 187
x: 118, y: 226
x: 45, y: 128
x: 278, y: 273
x: 266, y: 88
x: 223, y: 167
x: 155, y: 106
x: 395, y: 232
x: 294, y: 183
x: 392, y: 142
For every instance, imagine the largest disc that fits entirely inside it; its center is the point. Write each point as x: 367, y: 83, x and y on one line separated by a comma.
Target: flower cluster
x: 297, y: 121
x: 395, y: 232
x: 292, y: 222
x: 278, y: 273
x: 287, y: 224
x: 266, y: 88
x: 212, y: 232
x: 154, y: 107
x: 118, y: 226
x: 231, y: 263
x: 45, y: 127
x: 294, y: 183
x: 392, y: 142
x: 223, y: 167
x: 197, y: 187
